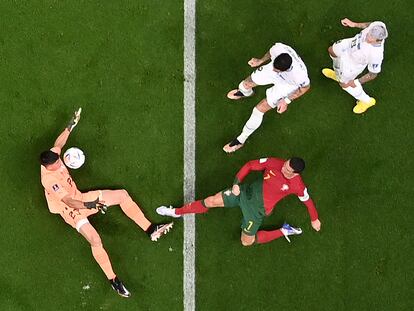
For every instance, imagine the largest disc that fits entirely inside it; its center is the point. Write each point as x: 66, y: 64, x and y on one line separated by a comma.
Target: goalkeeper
x: 64, y: 198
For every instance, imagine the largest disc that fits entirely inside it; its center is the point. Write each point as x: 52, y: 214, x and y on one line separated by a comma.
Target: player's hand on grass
x: 255, y: 62
x: 347, y: 22
x: 282, y: 106
x: 316, y: 224
x: 74, y: 120
x: 236, y: 190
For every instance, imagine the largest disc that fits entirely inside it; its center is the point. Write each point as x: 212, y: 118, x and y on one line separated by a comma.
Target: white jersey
x: 362, y: 54
x: 297, y: 74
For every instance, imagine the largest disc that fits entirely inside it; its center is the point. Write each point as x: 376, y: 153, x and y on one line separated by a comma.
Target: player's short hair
x: 48, y: 157
x: 379, y: 32
x: 282, y: 62
x: 297, y: 164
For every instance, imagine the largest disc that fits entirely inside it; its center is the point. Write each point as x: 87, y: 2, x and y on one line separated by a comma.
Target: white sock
x: 251, y: 125
x: 357, y: 92
x: 244, y: 90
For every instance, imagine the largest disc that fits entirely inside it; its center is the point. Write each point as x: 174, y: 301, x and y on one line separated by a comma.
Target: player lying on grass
x: 351, y: 56
x: 64, y: 198
x: 258, y: 199
x: 289, y: 76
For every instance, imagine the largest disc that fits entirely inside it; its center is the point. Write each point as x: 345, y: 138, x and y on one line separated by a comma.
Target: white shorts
x: 265, y: 75
x: 346, y: 70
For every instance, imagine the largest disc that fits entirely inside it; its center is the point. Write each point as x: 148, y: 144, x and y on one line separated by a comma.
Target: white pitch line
x: 189, y: 153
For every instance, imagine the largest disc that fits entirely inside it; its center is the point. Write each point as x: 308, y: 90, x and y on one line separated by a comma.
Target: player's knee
x: 123, y: 195
x: 247, y: 242
x: 209, y: 202
x: 247, y: 84
x: 95, y: 240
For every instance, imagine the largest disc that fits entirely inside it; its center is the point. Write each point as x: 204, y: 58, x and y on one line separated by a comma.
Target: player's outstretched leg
x: 129, y: 207
x: 196, y: 207
x: 102, y: 258
x: 251, y: 125
x: 364, y: 101
x: 132, y: 210
x: 268, y: 236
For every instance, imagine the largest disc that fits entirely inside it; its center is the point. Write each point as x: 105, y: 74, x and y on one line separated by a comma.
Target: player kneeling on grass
x: 64, y: 198
x: 258, y: 199
x: 351, y: 56
x: 289, y: 76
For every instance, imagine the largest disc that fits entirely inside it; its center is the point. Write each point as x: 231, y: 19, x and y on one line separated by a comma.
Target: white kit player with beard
x: 289, y: 76
x: 351, y: 56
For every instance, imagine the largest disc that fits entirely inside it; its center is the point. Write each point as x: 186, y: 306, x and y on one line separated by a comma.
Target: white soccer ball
x: 74, y: 158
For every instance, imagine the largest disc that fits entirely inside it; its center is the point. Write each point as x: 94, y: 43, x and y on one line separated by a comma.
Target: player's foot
x: 329, y: 73
x: 233, y: 146
x: 119, y: 287
x: 236, y: 94
x: 361, y: 106
x: 156, y: 231
x: 289, y: 230
x: 167, y: 211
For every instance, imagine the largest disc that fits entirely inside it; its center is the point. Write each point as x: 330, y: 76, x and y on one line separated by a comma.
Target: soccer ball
x: 74, y: 158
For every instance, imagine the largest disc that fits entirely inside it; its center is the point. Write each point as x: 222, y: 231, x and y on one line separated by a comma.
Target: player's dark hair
x: 282, y: 62
x: 48, y: 157
x: 297, y: 164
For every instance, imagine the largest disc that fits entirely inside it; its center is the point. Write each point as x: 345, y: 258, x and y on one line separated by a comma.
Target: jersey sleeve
x: 374, y: 65
x: 276, y: 49
x: 302, y: 79
x: 55, y: 189
x: 256, y: 165
x: 304, y: 197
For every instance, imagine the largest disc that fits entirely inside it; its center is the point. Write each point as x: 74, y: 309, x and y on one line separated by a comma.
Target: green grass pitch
x: 122, y: 61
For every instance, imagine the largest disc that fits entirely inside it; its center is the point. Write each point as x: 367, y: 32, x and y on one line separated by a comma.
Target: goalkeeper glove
x: 75, y: 119
x: 95, y: 204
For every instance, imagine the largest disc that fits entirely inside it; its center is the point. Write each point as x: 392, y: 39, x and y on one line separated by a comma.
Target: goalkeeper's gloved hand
x: 91, y: 204
x: 95, y: 204
x: 75, y: 119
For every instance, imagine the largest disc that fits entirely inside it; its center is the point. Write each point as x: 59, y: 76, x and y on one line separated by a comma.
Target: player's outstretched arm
x: 256, y: 62
x: 84, y: 205
x: 63, y: 137
x: 348, y: 23
x: 73, y: 203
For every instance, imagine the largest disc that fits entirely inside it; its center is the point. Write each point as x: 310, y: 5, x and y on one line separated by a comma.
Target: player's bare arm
x: 73, y: 203
x: 348, y: 23
x: 298, y: 93
x: 282, y: 105
x: 63, y: 137
x: 367, y: 77
x: 255, y: 62
x: 76, y: 204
